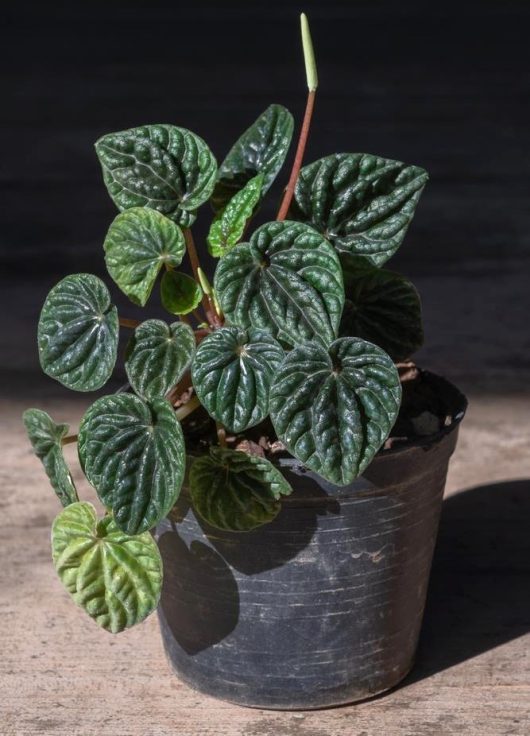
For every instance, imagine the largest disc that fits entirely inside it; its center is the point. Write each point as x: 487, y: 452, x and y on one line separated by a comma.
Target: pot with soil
x: 275, y: 435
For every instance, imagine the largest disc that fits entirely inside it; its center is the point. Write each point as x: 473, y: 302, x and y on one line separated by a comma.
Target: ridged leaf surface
x: 114, y: 577
x: 333, y: 409
x: 229, y: 224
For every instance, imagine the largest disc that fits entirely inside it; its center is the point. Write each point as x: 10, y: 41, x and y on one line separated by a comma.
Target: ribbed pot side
x: 324, y: 605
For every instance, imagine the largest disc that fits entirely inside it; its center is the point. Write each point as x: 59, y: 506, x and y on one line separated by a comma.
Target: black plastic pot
x: 324, y: 605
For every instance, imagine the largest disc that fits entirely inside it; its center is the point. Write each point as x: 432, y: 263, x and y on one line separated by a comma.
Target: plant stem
x: 187, y: 408
x: 299, y: 157
x: 69, y: 440
x: 131, y: 323
x: 221, y: 434
x: 195, y: 265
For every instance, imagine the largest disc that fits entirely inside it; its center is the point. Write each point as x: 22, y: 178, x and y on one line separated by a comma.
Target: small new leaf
x: 157, y: 357
x: 133, y: 454
x: 139, y: 243
x: 333, y: 409
x: 46, y: 438
x: 229, y: 224
x: 166, y: 168
x: 78, y: 333
x: 234, y: 491
x: 232, y: 373
x: 180, y: 294
x: 114, y: 577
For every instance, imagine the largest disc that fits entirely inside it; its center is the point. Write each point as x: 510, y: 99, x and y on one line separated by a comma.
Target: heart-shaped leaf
x: 381, y: 307
x: 78, y: 333
x: 115, y: 578
x: 180, y: 294
x: 362, y: 204
x: 133, y: 454
x: 229, y: 224
x: 157, y: 357
x: 260, y: 150
x: 46, y: 437
x: 333, y: 409
x: 139, y: 242
x: 166, y: 168
x: 232, y: 372
x: 234, y: 491
x: 287, y: 280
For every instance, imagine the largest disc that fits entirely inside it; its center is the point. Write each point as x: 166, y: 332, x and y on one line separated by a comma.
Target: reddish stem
x: 131, y: 323
x: 195, y: 265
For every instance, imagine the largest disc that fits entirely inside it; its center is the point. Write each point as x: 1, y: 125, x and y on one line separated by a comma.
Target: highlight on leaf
x: 229, y: 224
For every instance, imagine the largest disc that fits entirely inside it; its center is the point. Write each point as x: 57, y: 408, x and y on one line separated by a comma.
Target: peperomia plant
x: 296, y: 341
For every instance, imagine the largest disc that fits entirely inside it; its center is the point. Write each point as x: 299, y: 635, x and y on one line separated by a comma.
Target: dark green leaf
x: 229, y: 224
x: 158, y: 356
x: 133, y: 454
x: 180, y: 293
x: 163, y: 167
x: 78, y: 333
x: 334, y: 409
x: 382, y: 307
x: 235, y: 491
x: 46, y: 439
x: 114, y: 577
x: 362, y: 204
x: 139, y: 243
x: 260, y: 150
x: 232, y: 373
x: 287, y: 280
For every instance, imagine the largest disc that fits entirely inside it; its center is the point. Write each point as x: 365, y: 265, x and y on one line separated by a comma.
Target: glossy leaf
x: 261, y: 149
x: 139, y: 243
x: 333, y: 409
x: 235, y: 491
x: 114, y: 577
x: 46, y: 439
x: 133, y: 454
x: 229, y: 224
x: 287, y: 280
x: 158, y: 356
x: 363, y: 204
x: 381, y: 307
x: 166, y: 168
x: 180, y: 293
x: 232, y: 373
x: 78, y: 333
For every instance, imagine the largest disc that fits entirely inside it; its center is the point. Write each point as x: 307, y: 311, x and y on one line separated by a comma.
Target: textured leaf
x: 362, y: 204
x: 381, y: 307
x: 334, y: 409
x: 260, y: 150
x: 46, y: 437
x: 235, y: 491
x: 158, y: 356
x: 78, y: 333
x: 139, y: 242
x: 115, y: 578
x: 232, y: 372
x: 133, y: 454
x: 180, y: 293
x: 287, y: 280
x: 229, y: 224
x: 166, y: 168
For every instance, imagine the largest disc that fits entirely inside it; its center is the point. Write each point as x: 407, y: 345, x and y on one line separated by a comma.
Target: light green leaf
x: 158, y: 356
x: 381, y: 307
x: 287, y: 280
x: 166, y: 168
x: 234, y: 491
x: 78, y: 333
x: 114, y: 577
x: 46, y: 439
x: 139, y: 242
x: 363, y: 204
x: 180, y: 294
x: 333, y: 409
x: 133, y: 454
x: 260, y: 150
x: 229, y: 224
x: 232, y: 372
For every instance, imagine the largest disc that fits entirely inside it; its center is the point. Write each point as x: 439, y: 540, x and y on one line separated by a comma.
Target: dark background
x: 441, y: 85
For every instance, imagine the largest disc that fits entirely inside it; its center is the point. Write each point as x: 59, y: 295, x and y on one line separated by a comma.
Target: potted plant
x: 275, y: 450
